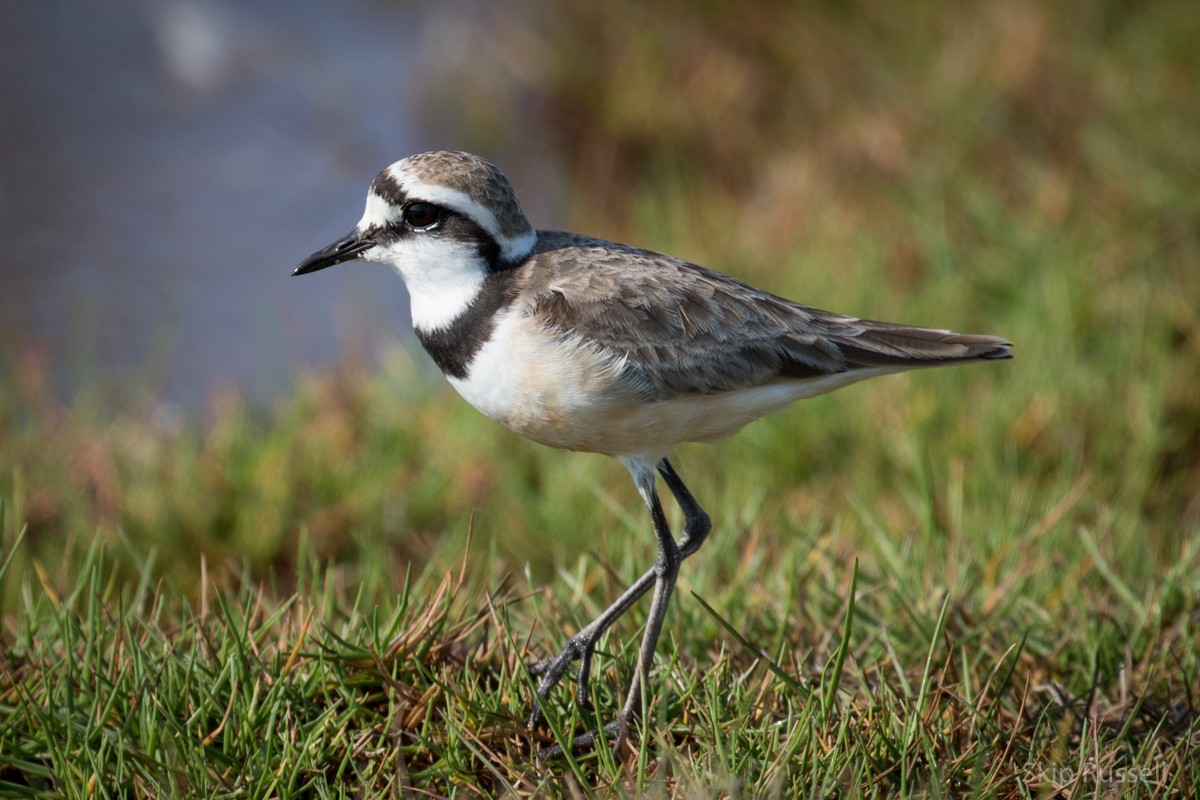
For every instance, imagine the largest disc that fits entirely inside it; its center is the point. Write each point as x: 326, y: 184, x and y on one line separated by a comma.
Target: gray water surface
x: 165, y: 165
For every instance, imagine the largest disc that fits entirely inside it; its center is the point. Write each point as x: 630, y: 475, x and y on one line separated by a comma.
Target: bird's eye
x: 422, y: 215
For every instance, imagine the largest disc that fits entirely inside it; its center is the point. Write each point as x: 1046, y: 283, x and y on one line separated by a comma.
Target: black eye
x: 422, y: 215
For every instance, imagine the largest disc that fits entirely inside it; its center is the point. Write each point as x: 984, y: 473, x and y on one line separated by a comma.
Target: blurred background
x: 1016, y: 167
x: 164, y: 163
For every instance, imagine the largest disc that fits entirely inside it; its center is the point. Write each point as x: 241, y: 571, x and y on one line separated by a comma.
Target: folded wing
x: 684, y: 329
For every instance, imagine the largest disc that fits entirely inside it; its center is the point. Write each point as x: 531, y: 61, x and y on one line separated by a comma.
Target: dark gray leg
x: 666, y: 572
x: 662, y: 576
x: 696, y: 523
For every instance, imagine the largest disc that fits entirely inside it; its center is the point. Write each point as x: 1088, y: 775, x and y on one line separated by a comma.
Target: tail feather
x: 881, y: 344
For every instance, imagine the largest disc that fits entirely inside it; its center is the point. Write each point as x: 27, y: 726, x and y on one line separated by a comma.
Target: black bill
x: 344, y: 249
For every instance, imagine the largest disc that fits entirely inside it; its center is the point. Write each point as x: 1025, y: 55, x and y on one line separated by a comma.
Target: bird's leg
x: 666, y: 572
x: 583, y: 644
x: 696, y: 522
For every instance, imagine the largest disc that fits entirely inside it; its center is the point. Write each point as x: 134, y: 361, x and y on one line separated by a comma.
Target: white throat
x: 443, y: 278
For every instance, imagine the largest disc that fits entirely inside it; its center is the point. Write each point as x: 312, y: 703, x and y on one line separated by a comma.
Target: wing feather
x: 680, y: 328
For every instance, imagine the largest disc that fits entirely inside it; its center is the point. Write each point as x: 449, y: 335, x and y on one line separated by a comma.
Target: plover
x: 589, y: 345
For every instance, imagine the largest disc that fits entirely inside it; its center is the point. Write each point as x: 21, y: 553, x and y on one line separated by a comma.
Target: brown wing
x: 685, y: 329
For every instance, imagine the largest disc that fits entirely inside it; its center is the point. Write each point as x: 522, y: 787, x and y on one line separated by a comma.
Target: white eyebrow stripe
x: 457, y: 200
x: 377, y: 214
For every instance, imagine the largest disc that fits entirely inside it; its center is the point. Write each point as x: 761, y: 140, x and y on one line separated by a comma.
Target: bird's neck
x: 453, y: 345
x: 442, y: 284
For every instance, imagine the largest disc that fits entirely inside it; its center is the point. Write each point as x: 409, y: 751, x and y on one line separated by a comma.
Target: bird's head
x: 433, y: 206
x: 442, y: 220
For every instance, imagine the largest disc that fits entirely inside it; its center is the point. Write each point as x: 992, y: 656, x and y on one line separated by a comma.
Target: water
x: 164, y: 166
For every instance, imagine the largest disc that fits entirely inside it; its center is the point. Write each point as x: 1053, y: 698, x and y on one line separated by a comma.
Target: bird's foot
x: 617, y: 730
x: 578, y: 648
x: 582, y: 648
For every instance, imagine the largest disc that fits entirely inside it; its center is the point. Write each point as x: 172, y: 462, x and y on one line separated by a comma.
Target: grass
x: 775, y: 680
x: 976, y: 582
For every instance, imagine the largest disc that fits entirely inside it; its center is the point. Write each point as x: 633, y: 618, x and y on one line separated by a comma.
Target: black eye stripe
x: 450, y: 226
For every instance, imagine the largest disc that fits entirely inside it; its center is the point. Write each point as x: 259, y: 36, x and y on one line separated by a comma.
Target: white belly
x: 542, y: 388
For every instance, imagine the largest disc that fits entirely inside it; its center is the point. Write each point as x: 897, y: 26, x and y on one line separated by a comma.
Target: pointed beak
x: 344, y: 249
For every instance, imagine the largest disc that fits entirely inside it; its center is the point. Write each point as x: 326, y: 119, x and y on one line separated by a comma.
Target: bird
x: 588, y: 345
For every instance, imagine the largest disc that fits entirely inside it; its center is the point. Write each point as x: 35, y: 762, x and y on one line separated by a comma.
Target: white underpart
x: 528, y: 379
x: 562, y: 392
x: 510, y: 247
